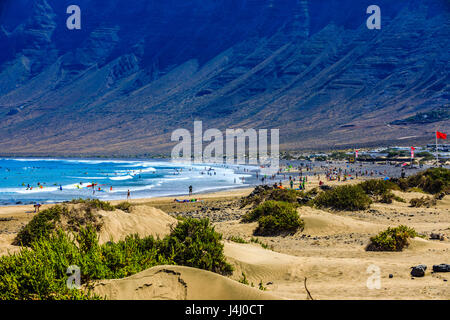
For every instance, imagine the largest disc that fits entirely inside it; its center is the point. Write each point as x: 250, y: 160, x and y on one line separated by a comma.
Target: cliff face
x: 138, y: 70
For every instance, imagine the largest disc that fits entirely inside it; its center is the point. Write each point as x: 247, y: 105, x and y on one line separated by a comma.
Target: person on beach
x: 190, y: 190
x: 36, y: 207
x: 128, y: 194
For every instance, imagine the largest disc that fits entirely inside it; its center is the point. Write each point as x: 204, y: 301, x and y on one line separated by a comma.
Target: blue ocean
x: 27, y: 181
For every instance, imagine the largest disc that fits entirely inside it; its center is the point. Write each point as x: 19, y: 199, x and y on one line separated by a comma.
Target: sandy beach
x: 329, y: 252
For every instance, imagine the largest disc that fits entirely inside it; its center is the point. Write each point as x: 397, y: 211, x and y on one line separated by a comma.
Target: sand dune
x: 418, y: 244
x: 341, y: 278
x: 6, y: 246
x: 178, y: 283
x: 142, y: 220
x: 329, y: 252
x: 318, y: 222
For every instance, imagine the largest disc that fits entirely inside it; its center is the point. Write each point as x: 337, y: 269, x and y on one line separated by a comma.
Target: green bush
x: 94, y: 204
x: 194, y: 243
x: 339, y: 155
x: 425, y: 155
x: 275, y: 217
x: 42, y: 225
x: 262, y: 244
x: 392, y: 239
x: 433, y: 180
x: 376, y: 187
x: 349, y: 197
x: 422, y: 202
x: 237, y: 239
x: 260, y: 195
x: 59, y: 216
x: 39, y: 272
x: 388, y: 198
x: 124, y: 206
x: 416, y: 189
x: 285, y: 195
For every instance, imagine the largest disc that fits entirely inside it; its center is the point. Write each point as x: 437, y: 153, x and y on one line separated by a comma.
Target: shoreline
x: 287, y: 168
x: 205, y: 195
x: 244, y: 177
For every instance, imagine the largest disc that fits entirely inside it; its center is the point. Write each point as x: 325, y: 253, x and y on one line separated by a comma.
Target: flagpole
x: 437, y: 154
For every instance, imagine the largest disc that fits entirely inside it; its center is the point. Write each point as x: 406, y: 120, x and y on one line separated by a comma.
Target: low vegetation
x: 377, y: 187
x: 422, y: 202
x: 42, y: 225
x: 381, y: 190
x: 252, y: 240
x: 266, y: 193
x: 244, y: 280
x: 124, y: 206
x: 348, y: 197
x: 388, y: 197
x: 275, y: 218
x: 39, y: 272
x: 94, y: 204
x: 433, y: 181
x: 237, y: 239
x: 338, y: 155
x: 60, y: 216
x: 392, y: 239
x: 262, y: 244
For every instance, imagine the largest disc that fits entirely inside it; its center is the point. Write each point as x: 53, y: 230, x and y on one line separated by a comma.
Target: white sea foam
x: 121, y: 175
x: 120, y: 178
x: 90, y: 178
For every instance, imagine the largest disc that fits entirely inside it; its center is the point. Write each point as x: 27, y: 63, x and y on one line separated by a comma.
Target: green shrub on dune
x: 42, y: 225
x: 195, y: 243
x: 422, y: 202
x: 124, y: 206
x: 275, y: 217
x: 388, y: 198
x: 261, y: 194
x: 60, y: 216
x: 94, y: 204
x: 285, y: 195
x: 433, y: 180
x: 377, y: 187
x: 348, y: 197
x: 39, y: 272
x: 392, y: 239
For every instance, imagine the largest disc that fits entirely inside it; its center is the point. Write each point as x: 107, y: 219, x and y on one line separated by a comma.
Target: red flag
x: 441, y: 135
